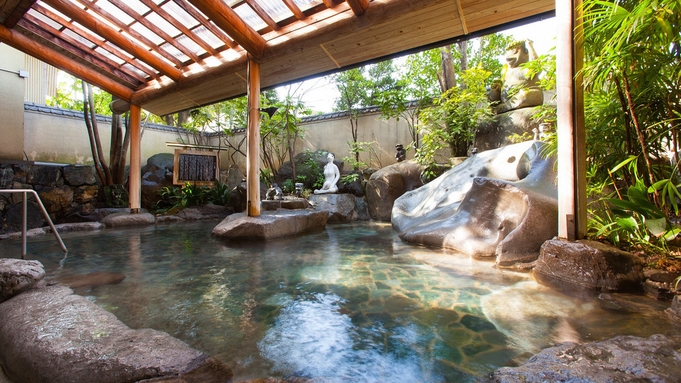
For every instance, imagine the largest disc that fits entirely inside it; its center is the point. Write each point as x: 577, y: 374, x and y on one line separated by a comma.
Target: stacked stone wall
x: 68, y: 193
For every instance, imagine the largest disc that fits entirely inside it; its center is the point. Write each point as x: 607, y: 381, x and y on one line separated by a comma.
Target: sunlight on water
x: 349, y: 303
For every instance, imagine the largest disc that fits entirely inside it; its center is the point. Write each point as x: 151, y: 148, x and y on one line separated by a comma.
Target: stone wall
x: 67, y: 192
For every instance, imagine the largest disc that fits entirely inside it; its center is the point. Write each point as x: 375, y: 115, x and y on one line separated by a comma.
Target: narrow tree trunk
x: 95, y: 130
x: 627, y: 119
x: 641, y: 136
x: 447, y: 81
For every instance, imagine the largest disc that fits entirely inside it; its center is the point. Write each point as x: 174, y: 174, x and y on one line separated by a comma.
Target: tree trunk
x: 93, y: 131
x: 447, y: 80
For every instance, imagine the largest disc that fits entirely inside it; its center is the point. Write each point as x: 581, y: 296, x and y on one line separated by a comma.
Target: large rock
x: 85, y: 194
x: 56, y: 199
x: 6, y: 178
x: 497, y: 203
x: 388, y: 184
x: 128, y: 219
x: 44, y: 175
x: 17, y: 275
x: 80, y: 175
x: 205, y: 212
x: 674, y: 310
x: 588, y: 267
x: 621, y: 359
x: 13, y: 217
x: 52, y: 335
x: 271, y: 224
x: 341, y: 207
x: 156, y: 174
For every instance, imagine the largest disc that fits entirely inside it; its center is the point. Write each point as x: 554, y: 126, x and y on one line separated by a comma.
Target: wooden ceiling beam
x: 263, y: 15
x: 294, y: 9
x: 79, y: 15
x: 127, y: 29
x: 329, y: 3
x: 58, y: 60
x: 219, y: 33
x: 180, y: 26
x: 226, y: 19
x: 154, y: 28
x: 85, y: 33
x: 462, y: 17
x: 18, y: 13
x: 359, y: 6
x: 78, y: 49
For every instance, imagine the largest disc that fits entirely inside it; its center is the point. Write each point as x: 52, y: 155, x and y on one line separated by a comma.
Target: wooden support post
x: 570, y: 129
x: 253, y: 133
x: 135, y: 180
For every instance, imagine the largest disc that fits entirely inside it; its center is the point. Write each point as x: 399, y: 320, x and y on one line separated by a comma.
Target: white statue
x: 331, y: 176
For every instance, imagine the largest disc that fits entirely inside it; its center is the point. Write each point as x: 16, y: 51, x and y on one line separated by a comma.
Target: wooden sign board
x: 196, y: 167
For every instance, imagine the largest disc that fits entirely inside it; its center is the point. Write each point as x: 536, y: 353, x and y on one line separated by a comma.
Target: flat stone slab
x: 128, y: 219
x: 50, y: 334
x: 17, y: 275
x: 620, y: 359
x: 271, y: 224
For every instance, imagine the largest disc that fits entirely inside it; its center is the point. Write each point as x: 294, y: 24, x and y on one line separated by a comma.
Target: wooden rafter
x: 165, y: 36
x: 18, y: 12
x: 97, y: 40
x: 329, y: 3
x: 263, y: 15
x: 52, y: 57
x: 359, y: 6
x: 294, y: 9
x: 462, y: 17
x: 79, y: 49
x: 219, y: 33
x: 127, y: 29
x: 226, y: 19
x: 79, y: 15
x: 180, y: 26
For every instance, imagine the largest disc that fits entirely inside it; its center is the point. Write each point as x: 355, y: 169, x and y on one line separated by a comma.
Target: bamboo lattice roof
x: 170, y: 55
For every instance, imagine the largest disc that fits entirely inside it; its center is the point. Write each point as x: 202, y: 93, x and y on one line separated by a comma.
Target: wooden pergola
x: 171, y: 55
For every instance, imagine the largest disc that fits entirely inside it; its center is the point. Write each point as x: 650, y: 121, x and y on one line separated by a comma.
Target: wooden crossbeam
x: 85, y: 33
x: 462, y: 17
x: 58, y: 60
x: 18, y: 12
x: 149, y: 25
x: 180, y: 26
x: 107, y: 32
x: 263, y: 15
x: 219, y: 33
x: 132, y: 32
x: 359, y: 6
x: 294, y: 9
x: 75, y: 47
x: 226, y: 19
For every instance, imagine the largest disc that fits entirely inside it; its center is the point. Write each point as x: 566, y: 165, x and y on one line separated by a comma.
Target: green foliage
x: 632, y: 219
x: 452, y: 119
x: 349, y: 178
x: 175, y: 197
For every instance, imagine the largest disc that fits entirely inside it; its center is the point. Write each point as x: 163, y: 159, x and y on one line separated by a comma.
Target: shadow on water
x: 349, y: 303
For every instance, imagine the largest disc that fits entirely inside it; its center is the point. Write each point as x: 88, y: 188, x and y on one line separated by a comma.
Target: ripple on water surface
x: 350, y: 303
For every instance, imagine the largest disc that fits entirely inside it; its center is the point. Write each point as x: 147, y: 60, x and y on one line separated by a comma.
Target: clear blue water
x: 348, y: 303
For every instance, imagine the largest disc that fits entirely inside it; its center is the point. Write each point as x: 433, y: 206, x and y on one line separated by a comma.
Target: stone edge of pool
x: 48, y: 333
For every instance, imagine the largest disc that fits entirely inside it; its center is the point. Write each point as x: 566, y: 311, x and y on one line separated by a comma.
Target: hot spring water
x: 349, y: 303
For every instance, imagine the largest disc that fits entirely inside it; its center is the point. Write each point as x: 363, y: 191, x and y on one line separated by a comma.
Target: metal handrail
x: 24, y: 218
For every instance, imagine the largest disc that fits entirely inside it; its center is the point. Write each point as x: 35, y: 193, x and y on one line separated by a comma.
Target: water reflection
x: 350, y: 303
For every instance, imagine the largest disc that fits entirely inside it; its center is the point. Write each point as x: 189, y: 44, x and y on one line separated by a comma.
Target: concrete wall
x: 11, y: 104
x: 334, y: 134
x: 64, y: 139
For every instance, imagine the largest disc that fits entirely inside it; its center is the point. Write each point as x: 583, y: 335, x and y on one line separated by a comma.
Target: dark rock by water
x: 341, y: 207
x: 621, y: 359
x: 80, y: 175
x: 588, y: 267
x: 388, y: 184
